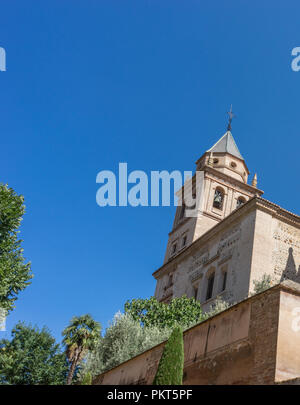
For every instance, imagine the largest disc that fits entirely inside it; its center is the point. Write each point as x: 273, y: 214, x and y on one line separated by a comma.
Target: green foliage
x: 32, y: 357
x: 219, y: 306
x: 145, y: 323
x: 263, y: 284
x: 87, y: 379
x: 170, y: 368
x: 123, y: 339
x: 79, y: 337
x: 14, y: 272
x: 150, y: 312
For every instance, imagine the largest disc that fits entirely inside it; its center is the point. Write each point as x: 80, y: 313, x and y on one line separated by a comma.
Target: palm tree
x: 79, y: 337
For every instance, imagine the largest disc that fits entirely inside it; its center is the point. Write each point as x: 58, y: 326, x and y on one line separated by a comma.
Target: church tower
x: 224, y: 188
x: 222, y: 236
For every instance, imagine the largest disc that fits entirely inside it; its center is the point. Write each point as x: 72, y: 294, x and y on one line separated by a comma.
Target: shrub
x: 124, y: 338
x: 263, y: 284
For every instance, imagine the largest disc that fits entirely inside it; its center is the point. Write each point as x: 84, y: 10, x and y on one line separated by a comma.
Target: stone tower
x: 234, y: 237
x: 224, y: 174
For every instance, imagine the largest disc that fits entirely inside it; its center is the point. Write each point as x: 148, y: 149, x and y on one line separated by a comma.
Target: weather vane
x: 230, y: 115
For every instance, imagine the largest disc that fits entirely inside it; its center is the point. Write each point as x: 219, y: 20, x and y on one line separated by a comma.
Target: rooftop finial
x: 230, y: 115
x: 254, y: 181
x: 210, y: 160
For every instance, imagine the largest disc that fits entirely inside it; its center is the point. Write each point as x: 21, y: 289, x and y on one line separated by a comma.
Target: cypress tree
x: 170, y: 368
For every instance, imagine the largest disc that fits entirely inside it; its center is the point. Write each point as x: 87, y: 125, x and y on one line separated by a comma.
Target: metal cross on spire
x: 230, y: 115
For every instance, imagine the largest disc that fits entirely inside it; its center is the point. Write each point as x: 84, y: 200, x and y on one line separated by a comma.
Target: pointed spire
x: 226, y: 144
x: 254, y: 181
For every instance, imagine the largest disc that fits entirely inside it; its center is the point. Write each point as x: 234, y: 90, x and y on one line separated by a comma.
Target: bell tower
x: 224, y: 187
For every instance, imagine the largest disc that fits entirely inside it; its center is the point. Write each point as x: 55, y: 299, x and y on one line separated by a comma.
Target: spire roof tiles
x: 226, y: 144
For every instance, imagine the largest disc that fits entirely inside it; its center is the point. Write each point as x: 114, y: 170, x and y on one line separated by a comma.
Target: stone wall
x: 253, y: 342
x: 228, y: 246
x: 259, y: 238
x: 276, y: 246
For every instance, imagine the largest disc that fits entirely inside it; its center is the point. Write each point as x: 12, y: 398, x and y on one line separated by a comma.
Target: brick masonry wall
x: 263, y: 336
x: 237, y: 346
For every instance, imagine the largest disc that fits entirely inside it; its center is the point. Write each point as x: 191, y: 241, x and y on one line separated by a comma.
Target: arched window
x: 218, y: 198
x: 240, y: 201
x: 210, y: 285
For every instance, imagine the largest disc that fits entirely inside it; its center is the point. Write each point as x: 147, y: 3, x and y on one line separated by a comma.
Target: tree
x: 123, y: 339
x: 170, y: 367
x: 142, y: 326
x: 32, y: 357
x: 262, y: 284
x: 218, y: 306
x: 14, y: 272
x: 87, y: 379
x: 150, y: 312
x: 80, y: 336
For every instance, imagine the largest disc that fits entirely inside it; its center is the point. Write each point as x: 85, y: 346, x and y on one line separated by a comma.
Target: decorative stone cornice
x: 278, y: 212
x: 212, y: 259
x: 239, y: 184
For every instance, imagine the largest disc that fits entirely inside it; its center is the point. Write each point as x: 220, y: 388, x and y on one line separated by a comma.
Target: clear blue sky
x: 90, y: 84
